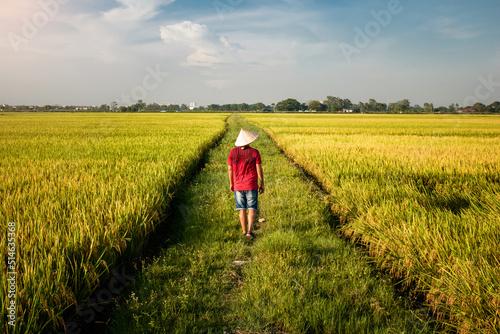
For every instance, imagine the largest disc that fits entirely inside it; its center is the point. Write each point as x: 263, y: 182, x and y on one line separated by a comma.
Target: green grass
x: 300, y: 278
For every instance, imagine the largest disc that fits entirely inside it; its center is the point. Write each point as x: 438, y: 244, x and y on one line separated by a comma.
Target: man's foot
x: 250, y: 236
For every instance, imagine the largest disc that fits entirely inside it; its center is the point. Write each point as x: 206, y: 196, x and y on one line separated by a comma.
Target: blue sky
x: 233, y: 51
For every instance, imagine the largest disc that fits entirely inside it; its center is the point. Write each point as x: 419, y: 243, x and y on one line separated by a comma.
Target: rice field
x: 421, y: 192
x: 84, y: 192
x: 297, y: 276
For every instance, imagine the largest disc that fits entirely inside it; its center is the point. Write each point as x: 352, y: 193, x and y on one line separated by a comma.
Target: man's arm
x: 231, y: 178
x: 260, y: 174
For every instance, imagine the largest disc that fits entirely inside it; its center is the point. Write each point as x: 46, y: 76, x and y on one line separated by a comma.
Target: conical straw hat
x: 246, y: 137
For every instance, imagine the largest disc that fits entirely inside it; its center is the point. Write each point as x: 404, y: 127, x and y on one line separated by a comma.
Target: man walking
x: 245, y: 170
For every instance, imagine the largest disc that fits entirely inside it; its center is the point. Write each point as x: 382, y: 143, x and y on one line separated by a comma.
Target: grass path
x: 300, y: 278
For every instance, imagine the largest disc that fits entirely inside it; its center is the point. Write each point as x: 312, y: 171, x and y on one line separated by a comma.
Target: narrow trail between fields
x: 297, y: 276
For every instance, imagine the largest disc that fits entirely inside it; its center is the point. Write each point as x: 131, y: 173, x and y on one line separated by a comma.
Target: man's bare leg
x: 251, y: 219
x: 243, y: 220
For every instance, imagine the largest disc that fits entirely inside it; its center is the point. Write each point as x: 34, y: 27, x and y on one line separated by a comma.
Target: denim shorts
x: 247, y: 199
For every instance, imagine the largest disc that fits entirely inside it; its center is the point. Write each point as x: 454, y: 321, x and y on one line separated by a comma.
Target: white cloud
x: 210, y: 48
x: 274, y: 46
x: 275, y: 38
x: 186, y: 32
x: 113, y: 36
x: 135, y: 10
x: 203, y: 57
x: 228, y: 44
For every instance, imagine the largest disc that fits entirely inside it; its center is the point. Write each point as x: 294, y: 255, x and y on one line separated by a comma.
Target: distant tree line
x: 330, y: 104
x: 337, y: 104
x: 239, y: 107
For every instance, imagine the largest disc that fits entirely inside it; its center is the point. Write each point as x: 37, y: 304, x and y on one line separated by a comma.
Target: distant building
x: 192, y: 105
x: 353, y: 110
x: 84, y: 108
x: 469, y: 110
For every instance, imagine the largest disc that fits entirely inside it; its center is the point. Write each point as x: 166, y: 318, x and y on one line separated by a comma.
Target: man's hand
x: 231, y: 179
x: 260, y: 175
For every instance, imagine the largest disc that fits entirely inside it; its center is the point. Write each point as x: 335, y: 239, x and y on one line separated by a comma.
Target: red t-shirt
x: 244, y: 163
